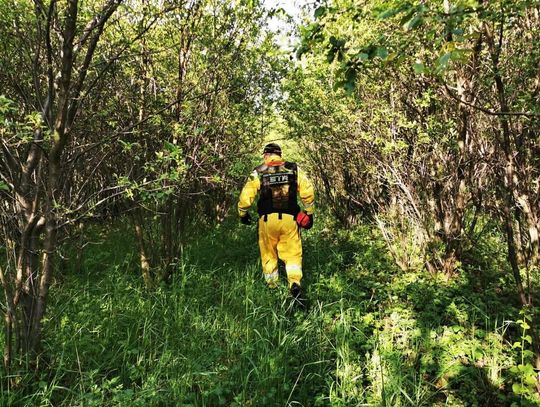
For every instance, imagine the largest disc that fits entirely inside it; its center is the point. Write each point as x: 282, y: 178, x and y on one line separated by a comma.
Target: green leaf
x: 301, y: 50
x: 528, y: 370
x: 518, y: 388
x: 381, y: 52
x: 170, y: 147
x: 419, y: 68
x: 6, y: 105
x: 331, y: 55
x: 320, y: 11
x: 460, y: 54
x: 413, y: 22
x: 4, y: 186
x: 442, y: 62
x: 350, y: 81
x: 311, y: 32
x: 392, y: 56
x: 337, y: 43
x: 388, y: 13
x: 477, y: 354
x: 530, y: 381
x: 394, y: 11
x: 362, y: 56
x: 480, y: 333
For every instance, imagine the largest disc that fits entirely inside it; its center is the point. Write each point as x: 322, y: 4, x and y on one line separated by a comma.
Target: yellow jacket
x: 253, y: 185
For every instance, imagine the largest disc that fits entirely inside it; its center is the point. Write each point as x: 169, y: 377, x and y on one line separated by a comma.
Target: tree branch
x: 109, y: 9
x: 488, y: 111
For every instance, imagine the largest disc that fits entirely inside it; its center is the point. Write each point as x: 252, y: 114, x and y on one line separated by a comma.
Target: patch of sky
x: 287, y: 15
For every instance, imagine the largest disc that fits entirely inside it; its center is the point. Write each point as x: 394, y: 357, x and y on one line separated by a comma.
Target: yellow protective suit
x: 279, y: 236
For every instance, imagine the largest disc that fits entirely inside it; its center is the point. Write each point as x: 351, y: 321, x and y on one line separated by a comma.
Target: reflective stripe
x: 242, y: 210
x: 293, y: 267
x: 294, y: 274
x: 271, y: 276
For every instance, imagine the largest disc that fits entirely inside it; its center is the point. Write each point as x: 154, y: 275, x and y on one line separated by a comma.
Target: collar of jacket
x: 273, y: 159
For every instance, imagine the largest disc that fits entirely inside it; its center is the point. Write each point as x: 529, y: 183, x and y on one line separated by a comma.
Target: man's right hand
x: 304, y: 220
x: 246, y: 219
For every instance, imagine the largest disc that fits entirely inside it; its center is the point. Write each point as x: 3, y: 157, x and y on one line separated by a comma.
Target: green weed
x: 217, y: 335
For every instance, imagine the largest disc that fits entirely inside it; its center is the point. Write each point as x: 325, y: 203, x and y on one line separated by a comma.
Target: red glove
x: 304, y: 220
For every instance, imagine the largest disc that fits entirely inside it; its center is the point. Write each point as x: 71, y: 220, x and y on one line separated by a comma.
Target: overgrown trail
x: 126, y: 129
x: 218, y: 336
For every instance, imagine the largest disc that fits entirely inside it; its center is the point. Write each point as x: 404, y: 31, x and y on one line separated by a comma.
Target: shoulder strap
x: 291, y: 166
x: 261, y: 168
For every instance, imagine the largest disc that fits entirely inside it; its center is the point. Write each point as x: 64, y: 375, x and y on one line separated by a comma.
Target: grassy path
x: 218, y: 336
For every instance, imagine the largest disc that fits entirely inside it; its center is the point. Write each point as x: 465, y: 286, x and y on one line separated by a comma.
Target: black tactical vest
x: 278, y: 189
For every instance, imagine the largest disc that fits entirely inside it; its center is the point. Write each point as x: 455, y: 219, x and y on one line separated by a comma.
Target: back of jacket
x: 278, y: 188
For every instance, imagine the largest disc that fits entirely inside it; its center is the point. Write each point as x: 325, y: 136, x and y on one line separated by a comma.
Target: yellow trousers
x: 280, y: 238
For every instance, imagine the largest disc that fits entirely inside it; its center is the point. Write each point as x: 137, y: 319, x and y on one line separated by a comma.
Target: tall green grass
x: 217, y: 336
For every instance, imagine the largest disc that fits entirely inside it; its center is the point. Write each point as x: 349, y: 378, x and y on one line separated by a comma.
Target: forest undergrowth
x: 217, y: 336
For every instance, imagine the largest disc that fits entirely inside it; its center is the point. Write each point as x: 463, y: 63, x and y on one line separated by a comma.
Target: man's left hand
x: 246, y: 219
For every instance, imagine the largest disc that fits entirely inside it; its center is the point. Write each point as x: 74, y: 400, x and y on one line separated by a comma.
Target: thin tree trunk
x: 9, y: 320
x: 167, y: 221
x: 509, y: 188
x: 144, y: 259
x: 80, y: 248
x: 37, y: 184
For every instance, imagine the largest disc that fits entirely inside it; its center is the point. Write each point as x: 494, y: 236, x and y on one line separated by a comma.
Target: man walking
x: 279, y: 184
